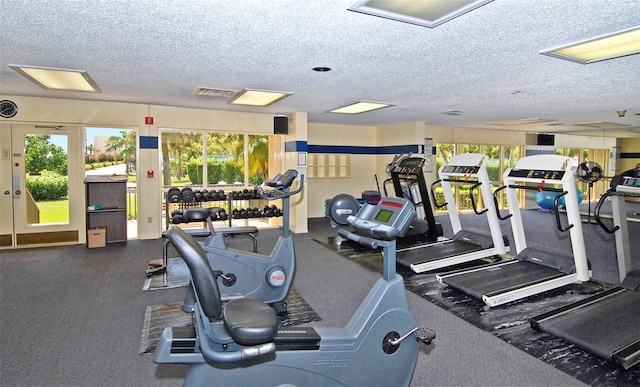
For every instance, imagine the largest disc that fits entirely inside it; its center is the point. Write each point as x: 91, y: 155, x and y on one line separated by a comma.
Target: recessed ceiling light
x: 252, y: 97
x: 321, y: 69
x: 614, y: 45
x: 453, y: 113
x: 527, y: 121
x: 360, y: 107
x: 58, y: 79
x: 426, y: 13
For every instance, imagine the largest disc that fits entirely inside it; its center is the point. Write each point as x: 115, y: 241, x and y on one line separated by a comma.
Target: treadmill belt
x: 501, y: 278
x: 603, y: 327
x: 430, y: 253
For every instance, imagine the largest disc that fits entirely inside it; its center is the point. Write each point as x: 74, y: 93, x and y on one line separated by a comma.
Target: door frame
x: 23, y: 234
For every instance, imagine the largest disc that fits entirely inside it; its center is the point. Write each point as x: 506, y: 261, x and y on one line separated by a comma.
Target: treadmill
x: 606, y: 324
x: 467, y: 244
x: 406, y: 174
x: 535, y: 270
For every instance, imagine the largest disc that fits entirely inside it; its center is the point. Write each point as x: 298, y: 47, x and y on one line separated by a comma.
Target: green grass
x: 57, y: 211
x: 54, y: 211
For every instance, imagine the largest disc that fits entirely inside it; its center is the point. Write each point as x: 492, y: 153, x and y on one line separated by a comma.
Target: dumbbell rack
x: 191, y: 204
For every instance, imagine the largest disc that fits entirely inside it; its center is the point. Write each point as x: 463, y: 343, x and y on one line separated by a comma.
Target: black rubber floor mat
x: 177, y: 276
x: 510, y: 322
x: 158, y: 317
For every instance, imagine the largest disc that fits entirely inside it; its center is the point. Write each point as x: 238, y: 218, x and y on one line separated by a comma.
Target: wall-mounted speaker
x: 280, y: 125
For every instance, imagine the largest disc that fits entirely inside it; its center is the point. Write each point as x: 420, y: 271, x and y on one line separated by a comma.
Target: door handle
x: 18, y: 192
x: 7, y: 192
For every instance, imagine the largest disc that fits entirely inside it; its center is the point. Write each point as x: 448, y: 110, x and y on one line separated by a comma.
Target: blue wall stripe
x: 295, y: 146
x: 630, y: 155
x: 148, y: 142
x: 302, y: 146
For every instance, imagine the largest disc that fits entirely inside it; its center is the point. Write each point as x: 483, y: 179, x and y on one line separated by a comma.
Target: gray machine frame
x: 378, y: 347
x: 248, y: 274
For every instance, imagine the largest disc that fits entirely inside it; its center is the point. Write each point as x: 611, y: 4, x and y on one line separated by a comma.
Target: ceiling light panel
x: 615, y: 45
x: 426, y: 13
x: 601, y: 125
x: 58, y: 79
x: 260, y: 98
x: 527, y: 121
x: 360, y: 107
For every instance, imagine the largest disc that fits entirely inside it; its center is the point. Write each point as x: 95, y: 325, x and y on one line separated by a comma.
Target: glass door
x: 40, y: 179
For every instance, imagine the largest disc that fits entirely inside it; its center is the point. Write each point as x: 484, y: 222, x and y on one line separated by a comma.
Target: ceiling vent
x: 215, y: 93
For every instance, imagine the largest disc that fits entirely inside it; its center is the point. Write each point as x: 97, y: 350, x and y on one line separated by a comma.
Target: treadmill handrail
x: 473, y: 200
x: 433, y: 193
x: 495, y: 201
x: 556, y: 201
x: 556, y: 207
x: 596, y: 214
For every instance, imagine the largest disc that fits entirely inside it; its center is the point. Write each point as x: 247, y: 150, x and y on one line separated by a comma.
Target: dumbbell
x: 176, y: 216
x: 213, y: 196
x: 197, y: 195
x: 187, y: 195
x: 173, y: 195
x: 222, y: 195
x: 206, y: 196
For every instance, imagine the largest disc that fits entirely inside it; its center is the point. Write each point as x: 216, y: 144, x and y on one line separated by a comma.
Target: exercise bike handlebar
x: 281, y: 193
x: 368, y: 242
x: 213, y: 356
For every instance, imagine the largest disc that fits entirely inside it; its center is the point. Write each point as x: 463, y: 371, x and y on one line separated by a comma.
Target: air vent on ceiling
x: 453, y: 113
x: 215, y: 93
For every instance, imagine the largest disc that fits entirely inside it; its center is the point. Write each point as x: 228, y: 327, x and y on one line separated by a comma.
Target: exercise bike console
x: 388, y: 219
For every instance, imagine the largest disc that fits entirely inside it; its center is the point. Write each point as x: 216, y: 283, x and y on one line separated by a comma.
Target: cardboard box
x: 96, y: 237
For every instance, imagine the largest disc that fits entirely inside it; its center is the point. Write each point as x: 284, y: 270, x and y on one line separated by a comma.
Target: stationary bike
x: 249, y: 274
x: 240, y: 343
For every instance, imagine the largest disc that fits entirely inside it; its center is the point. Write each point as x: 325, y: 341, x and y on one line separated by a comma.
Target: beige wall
x: 363, y: 168
x: 628, y: 145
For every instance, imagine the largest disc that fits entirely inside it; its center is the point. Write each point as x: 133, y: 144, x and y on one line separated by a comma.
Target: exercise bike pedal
x: 425, y: 335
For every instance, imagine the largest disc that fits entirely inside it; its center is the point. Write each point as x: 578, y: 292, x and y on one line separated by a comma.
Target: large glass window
x: 226, y: 159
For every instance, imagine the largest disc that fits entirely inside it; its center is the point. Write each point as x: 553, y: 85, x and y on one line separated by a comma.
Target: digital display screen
x: 383, y: 215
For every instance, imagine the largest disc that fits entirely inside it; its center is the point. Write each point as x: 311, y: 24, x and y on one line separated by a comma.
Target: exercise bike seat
x: 248, y: 321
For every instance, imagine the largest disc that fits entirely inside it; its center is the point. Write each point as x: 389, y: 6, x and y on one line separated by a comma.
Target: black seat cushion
x: 250, y: 322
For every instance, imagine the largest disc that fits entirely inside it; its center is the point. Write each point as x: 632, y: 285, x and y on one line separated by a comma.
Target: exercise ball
x: 545, y: 199
x: 579, y: 194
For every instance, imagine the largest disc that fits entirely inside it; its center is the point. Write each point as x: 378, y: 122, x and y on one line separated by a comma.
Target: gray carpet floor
x: 70, y: 316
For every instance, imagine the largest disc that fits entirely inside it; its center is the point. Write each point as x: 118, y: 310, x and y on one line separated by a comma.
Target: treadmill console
x: 627, y: 182
x: 462, y: 169
x: 410, y: 165
x: 388, y: 219
x: 537, y: 174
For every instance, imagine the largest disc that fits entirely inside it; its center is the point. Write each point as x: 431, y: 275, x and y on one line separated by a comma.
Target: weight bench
x: 191, y: 215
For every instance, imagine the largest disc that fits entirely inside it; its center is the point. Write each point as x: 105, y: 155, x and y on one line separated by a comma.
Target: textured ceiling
x: 484, y: 64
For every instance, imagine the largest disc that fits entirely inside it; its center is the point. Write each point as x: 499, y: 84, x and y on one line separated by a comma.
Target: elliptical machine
x: 249, y: 274
x: 240, y: 343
